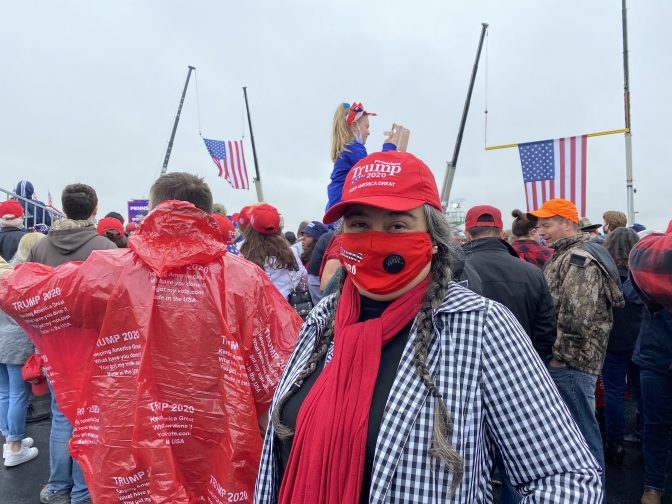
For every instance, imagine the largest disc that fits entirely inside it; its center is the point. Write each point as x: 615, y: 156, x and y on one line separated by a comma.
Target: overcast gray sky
x: 89, y: 92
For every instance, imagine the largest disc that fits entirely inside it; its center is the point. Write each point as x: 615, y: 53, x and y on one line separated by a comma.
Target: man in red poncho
x: 164, y: 356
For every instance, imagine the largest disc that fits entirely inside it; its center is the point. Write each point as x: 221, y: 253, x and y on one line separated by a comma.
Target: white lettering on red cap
x: 391, y: 169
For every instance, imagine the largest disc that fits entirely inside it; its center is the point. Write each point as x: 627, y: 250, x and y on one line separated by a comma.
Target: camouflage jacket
x: 584, y: 295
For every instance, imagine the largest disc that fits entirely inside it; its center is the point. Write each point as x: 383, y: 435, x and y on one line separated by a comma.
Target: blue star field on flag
x: 537, y: 160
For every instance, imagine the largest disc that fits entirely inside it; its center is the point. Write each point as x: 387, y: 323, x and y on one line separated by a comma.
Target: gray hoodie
x: 69, y: 240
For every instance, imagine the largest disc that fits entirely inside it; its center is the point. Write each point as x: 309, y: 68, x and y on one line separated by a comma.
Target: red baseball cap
x: 475, y: 214
x: 392, y: 180
x: 243, y: 217
x: 265, y: 219
x: 10, y: 210
x: 226, y: 227
x: 110, y: 223
x: 132, y: 227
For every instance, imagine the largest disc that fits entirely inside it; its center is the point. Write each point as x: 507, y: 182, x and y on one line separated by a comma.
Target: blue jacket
x: 353, y: 152
x: 653, y: 350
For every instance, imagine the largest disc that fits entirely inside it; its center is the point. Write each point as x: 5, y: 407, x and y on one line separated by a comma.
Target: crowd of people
x: 374, y: 355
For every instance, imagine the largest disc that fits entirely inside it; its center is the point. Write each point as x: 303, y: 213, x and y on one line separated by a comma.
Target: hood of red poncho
x: 176, y: 234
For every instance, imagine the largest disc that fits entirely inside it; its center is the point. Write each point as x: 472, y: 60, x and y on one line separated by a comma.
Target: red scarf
x: 326, y: 464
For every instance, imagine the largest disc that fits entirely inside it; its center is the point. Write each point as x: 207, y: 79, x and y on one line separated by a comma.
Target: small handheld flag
x: 229, y: 157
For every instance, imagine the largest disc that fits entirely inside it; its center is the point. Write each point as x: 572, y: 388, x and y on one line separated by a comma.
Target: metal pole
x: 628, y: 123
x: 447, y: 184
x: 450, y: 172
x: 177, y: 120
x: 257, y: 179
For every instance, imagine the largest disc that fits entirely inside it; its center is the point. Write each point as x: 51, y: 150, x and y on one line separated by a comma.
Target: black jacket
x: 9, y: 241
x: 627, y: 320
x: 518, y: 285
x: 653, y: 350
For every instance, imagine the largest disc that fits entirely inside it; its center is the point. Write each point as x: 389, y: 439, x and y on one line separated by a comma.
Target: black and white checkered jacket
x: 497, y: 392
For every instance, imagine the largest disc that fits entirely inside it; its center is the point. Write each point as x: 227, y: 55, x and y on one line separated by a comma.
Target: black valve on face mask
x: 394, y: 263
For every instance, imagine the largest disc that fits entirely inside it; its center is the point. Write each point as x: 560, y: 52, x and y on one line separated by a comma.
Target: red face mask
x: 382, y: 263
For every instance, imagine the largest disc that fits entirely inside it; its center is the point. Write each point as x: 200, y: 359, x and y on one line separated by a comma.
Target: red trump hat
x: 265, y: 219
x: 391, y: 180
x: 110, y: 223
x: 226, y: 227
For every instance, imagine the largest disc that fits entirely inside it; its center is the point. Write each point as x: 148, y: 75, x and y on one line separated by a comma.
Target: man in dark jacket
x: 516, y: 284
x: 11, y: 220
x: 70, y: 239
x: 506, y: 279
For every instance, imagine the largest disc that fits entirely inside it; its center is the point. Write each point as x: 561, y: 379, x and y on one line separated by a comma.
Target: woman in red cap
x: 265, y: 246
x: 403, y: 383
x: 112, y: 229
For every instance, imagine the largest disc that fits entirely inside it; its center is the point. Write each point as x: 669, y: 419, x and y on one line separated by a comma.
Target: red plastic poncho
x: 161, y: 356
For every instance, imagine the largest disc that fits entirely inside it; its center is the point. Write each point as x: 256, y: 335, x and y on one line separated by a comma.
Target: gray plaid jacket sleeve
x: 497, y: 392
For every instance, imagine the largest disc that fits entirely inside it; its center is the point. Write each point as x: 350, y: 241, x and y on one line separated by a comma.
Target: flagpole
x: 599, y: 133
x: 257, y: 179
x: 628, y: 124
x: 164, y: 169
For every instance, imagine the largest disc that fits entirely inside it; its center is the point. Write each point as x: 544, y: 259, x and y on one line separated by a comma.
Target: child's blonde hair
x: 341, y: 132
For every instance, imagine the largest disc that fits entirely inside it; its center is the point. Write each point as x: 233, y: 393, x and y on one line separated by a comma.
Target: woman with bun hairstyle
x: 265, y: 246
x: 349, y: 132
x: 403, y: 383
x: 526, y: 240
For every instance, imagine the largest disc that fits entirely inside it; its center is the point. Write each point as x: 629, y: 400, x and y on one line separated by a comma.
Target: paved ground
x: 22, y: 484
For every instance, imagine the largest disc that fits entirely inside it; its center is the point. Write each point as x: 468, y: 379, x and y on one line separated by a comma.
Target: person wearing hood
x: 69, y: 239
x: 75, y: 237
x: 35, y: 212
x: 181, y: 344
x: 11, y: 221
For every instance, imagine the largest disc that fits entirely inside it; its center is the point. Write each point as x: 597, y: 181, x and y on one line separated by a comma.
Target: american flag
x: 229, y: 157
x: 555, y: 169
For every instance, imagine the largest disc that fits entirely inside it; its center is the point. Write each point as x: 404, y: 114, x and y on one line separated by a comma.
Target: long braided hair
x: 446, y: 253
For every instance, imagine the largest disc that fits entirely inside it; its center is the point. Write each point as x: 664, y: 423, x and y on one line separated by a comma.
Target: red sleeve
x: 332, y: 252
